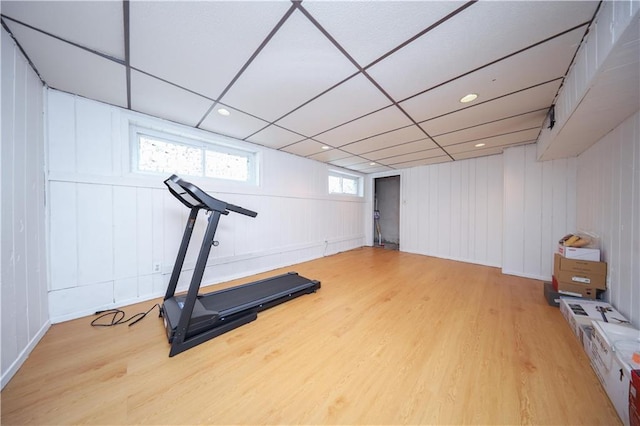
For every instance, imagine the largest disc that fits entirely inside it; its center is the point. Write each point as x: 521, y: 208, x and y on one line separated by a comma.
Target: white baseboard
x: 22, y: 357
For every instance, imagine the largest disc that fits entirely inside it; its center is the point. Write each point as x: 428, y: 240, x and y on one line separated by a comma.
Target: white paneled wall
x: 110, y: 227
x: 23, y: 300
x: 454, y: 210
x: 539, y: 208
x: 608, y: 200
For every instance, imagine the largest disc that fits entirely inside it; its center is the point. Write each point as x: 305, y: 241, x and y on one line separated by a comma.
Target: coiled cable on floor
x: 117, y: 317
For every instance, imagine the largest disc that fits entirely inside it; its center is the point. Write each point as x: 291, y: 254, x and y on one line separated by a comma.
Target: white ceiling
x: 372, y: 81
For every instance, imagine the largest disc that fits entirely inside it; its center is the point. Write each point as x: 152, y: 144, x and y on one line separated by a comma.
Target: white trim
x: 22, y: 357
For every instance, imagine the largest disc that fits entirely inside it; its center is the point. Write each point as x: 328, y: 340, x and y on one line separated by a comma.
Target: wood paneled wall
x: 539, y: 208
x: 454, y: 210
x: 23, y: 282
x: 608, y: 205
x: 504, y: 210
x: 110, y: 227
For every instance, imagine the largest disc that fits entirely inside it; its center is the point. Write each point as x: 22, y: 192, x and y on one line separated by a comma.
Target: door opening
x: 386, y: 214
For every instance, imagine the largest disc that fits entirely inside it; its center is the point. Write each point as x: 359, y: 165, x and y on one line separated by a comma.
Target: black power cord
x: 117, y: 317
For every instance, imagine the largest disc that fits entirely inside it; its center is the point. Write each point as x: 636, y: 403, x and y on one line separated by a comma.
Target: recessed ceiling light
x: 478, y: 145
x: 372, y: 163
x: 326, y: 147
x: 224, y: 112
x: 468, y: 98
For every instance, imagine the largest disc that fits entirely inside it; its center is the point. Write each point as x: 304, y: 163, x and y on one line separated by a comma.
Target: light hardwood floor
x: 390, y: 338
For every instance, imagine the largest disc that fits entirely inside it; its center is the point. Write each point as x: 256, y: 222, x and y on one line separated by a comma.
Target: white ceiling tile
x: 515, y: 138
x: 422, y: 162
x: 394, y: 151
x: 81, y: 72
x: 372, y: 124
x: 97, y: 25
x: 520, y: 122
x: 304, y: 148
x: 542, y: 63
x: 275, y: 137
x: 480, y: 34
x: 351, y: 99
x: 298, y: 63
x: 200, y: 45
x: 331, y: 155
x: 349, y: 161
x: 367, y: 30
x: 396, y: 137
x: 367, y: 168
x: 484, y: 153
x: 414, y: 156
x: 148, y: 95
x: 528, y: 100
x: 237, y: 124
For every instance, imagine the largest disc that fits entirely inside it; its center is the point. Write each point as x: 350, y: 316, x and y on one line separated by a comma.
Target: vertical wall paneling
x: 10, y: 348
x: 23, y: 264
x: 454, y: 210
x: 125, y: 262
x: 608, y: 204
x: 495, y: 210
x: 532, y: 213
x: 20, y: 202
x: 473, y: 207
x: 63, y: 249
x: 61, y: 132
x: 463, y: 224
x: 409, y: 201
x: 117, y: 232
x: 93, y: 137
x: 514, y: 225
x: 481, y: 237
x: 539, y: 208
x: 95, y: 236
x: 547, y: 239
x: 444, y: 209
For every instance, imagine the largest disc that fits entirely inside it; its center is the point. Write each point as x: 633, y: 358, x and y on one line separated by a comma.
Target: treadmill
x: 192, y: 318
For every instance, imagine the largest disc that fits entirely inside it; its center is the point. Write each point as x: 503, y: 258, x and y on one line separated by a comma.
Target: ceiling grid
x: 368, y: 86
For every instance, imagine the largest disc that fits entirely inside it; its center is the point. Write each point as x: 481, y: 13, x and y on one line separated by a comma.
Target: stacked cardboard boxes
x: 613, y: 370
x: 581, y: 313
x: 600, y: 328
x: 579, y: 277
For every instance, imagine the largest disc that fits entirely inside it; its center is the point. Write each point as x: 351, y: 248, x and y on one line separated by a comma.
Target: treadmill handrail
x: 194, y: 197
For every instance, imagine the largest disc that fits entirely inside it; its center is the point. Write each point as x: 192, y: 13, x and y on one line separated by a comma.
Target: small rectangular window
x: 157, y: 152
x: 343, y: 183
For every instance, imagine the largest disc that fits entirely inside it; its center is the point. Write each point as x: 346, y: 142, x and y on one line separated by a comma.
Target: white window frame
x: 342, y: 175
x: 136, y: 131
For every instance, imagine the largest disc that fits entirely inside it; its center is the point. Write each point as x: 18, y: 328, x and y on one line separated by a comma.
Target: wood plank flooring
x: 390, y: 338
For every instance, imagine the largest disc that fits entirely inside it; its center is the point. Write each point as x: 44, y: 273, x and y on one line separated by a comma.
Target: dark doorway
x: 386, y: 219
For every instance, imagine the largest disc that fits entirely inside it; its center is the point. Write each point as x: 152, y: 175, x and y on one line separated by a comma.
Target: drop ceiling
x: 365, y: 85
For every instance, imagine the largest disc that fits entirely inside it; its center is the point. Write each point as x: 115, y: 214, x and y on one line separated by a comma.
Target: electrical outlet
x: 157, y: 267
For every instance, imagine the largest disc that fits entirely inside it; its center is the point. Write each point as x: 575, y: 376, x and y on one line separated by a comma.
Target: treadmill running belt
x: 236, y: 299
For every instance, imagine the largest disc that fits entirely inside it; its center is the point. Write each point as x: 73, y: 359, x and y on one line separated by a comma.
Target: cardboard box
x: 634, y: 398
x: 582, y: 312
x: 578, y: 290
x: 583, y: 266
x: 614, y: 374
x: 579, y: 253
x: 592, y: 280
x: 580, y: 278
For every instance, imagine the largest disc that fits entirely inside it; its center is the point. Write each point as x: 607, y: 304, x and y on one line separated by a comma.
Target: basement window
x: 343, y: 183
x: 162, y: 153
